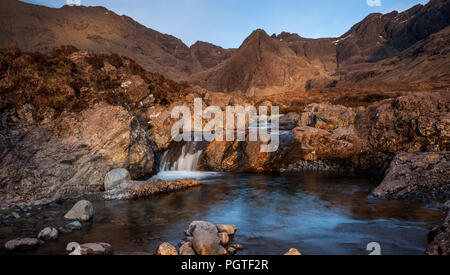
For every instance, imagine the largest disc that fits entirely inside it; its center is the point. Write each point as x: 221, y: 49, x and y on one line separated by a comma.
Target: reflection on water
x: 315, y: 214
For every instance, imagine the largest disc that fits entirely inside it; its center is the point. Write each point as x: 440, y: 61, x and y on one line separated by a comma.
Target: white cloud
x: 373, y: 3
x: 78, y: 2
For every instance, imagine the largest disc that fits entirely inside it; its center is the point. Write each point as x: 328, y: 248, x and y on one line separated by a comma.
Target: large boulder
x: 22, y: 244
x: 81, y: 211
x: 418, y: 175
x: 116, y: 177
x: 70, y: 155
x: 201, y: 226
x: 206, y: 242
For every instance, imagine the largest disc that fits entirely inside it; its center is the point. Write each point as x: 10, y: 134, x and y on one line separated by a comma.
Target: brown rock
x: 206, y: 243
x: 224, y: 239
x: 293, y: 252
x: 186, y: 249
x: 166, y: 249
x: 229, y: 229
x: 222, y: 251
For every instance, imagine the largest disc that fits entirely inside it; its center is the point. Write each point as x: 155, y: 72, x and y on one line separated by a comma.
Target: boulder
x: 48, y: 233
x: 417, y: 175
x: 293, y: 252
x: 22, y: 244
x: 202, y: 226
x: 81, y: 211
x: 206, y: 242
x: 116, y: 177
x: 186, y: 249
x: 166, y: 249
x: 229, y: 229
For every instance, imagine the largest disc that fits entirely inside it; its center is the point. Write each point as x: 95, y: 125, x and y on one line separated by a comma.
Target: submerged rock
x: 82, y: 211
x: 166, y: 249
x: 22, y: 244
x: 116, y: 177
x: 69, y: 228
x: 418, y: 175
x: 48, y: 233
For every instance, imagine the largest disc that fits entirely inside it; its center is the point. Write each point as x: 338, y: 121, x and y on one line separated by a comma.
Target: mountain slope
x: 39, y: 28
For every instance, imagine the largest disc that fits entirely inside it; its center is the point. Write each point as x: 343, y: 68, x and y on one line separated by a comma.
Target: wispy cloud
x: 374, y: 3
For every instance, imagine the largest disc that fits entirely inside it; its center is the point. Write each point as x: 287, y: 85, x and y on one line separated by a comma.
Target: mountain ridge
x: 381, y: 48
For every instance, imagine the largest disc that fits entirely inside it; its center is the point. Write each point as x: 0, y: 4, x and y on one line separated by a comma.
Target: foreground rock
x: 81, y: 211
x: 204, y: 238
x: 94, y: 249
x: 200, y: 226
x: 166, y: 249
x: 418, y: 175
x: 69, y: 228
x: 140, y: 189
x: 22, y: 244
x: 186, y: 249
x: 293, y: 252
x: 439, y: 237
x: 206, y: 243
x: 48, y: 233
x: 116, y: 177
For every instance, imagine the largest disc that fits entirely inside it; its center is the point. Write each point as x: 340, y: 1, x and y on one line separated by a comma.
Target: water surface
x: 313, y: 213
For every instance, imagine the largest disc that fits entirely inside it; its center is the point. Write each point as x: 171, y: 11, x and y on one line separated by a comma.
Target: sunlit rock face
x: 71, y: 155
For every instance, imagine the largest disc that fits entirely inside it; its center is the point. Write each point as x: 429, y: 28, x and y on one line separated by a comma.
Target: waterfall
x: 182, y: 157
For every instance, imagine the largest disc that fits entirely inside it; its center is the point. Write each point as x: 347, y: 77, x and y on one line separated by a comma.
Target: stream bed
x: 317, y: 214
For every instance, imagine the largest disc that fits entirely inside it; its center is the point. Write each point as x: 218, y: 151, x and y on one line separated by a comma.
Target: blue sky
x: 228, y: 22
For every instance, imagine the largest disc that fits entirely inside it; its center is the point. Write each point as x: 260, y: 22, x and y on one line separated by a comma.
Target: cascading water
x: 181, y: 161
x: 186, y: 160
